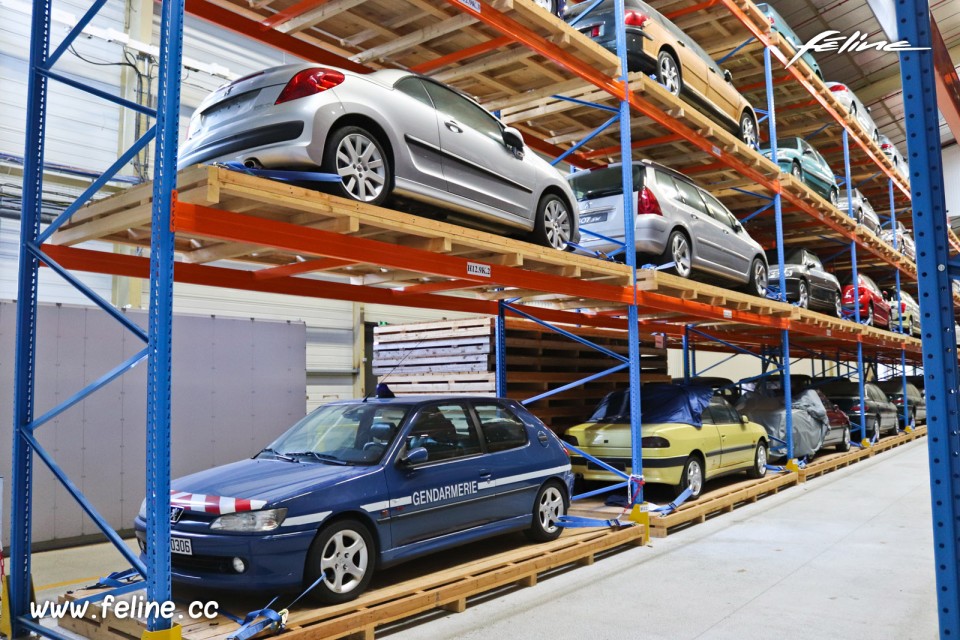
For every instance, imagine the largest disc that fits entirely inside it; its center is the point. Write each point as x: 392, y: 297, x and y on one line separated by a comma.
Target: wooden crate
x: 459, y: 357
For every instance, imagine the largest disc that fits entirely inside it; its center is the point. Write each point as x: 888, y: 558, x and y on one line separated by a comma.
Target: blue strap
x: 670, y: 508
x: 283, y: 176
x: 257, y: 622
x: 118, y: 578
x: 573, y: 522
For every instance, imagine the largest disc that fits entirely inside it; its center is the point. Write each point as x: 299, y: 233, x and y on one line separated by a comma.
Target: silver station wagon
x: 387, y: 132
x: 675, y: 221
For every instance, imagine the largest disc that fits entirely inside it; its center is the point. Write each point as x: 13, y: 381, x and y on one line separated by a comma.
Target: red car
x: 839, y: 435
x: 874, y: 310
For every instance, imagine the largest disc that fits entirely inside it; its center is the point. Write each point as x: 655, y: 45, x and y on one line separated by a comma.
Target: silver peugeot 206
x: 387, y: 132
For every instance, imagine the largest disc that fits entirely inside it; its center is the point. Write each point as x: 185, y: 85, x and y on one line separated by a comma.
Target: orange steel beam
x: 948, y: 83
x: 139, y: 267
x: 308, y: 266
x: 282, y: 41
x: 462, y: 54
x: 762, y: 36
x: 225, y: 225
x: 761, y: 85
x: 291, y: 12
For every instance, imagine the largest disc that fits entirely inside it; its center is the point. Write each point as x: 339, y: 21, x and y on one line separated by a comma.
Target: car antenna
x: 382, y: 390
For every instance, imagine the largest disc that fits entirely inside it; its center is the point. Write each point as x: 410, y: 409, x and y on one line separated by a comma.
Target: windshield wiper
x: 277, y: 455
x: 321, y: 457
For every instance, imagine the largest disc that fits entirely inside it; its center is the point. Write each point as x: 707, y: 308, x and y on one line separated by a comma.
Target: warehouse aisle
x: 848, y: 555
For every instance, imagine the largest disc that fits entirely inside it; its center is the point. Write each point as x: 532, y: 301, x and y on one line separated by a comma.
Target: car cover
x: 810, y: 422
x: 659, y: 403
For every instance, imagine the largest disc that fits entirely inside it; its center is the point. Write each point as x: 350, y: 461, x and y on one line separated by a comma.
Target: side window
x: 691, y: 196
x: 464, y: 111
x: 718, y: 211
x: 501, y: 429
x: 414, y: 88
x: 666, y: 185
x: 723, y: 413
x: 445, y: 431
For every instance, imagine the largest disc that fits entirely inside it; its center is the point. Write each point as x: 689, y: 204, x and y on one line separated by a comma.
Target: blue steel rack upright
x: 935, y: 268
x: 156, y: 571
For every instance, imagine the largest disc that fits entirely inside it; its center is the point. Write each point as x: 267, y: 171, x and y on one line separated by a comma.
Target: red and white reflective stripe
x: 218, y: 505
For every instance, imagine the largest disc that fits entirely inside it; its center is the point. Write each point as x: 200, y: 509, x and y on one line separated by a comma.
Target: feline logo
x: 835, y: 41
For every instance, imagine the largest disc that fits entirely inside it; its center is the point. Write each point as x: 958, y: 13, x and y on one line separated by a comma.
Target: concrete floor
x: 847, y: 555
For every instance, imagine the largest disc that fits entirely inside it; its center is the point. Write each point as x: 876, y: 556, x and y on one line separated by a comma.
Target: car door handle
x: 453, y: 126
x: 485, y: 474
x: 694, y: 217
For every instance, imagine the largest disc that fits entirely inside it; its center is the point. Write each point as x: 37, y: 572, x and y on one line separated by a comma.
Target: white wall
x: 951, y: 179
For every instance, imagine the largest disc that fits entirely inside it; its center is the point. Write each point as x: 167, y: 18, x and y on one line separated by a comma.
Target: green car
x: 796, y: 156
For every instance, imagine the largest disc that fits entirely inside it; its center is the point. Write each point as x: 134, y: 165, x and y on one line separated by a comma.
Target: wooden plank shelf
x: 449, y: 588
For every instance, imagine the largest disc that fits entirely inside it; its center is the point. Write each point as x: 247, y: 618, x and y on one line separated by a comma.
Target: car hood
x: 261, y: 479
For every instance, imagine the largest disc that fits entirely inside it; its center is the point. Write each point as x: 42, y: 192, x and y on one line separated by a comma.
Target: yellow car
x: 689, y: 436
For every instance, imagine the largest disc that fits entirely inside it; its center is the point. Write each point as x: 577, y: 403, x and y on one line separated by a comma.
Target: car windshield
x: 354, y: 433
x: 787, y: 143
x: 600, y: 183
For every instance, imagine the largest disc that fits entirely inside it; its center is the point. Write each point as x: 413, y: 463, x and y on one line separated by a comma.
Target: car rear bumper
x: 243, y: 141
x: 650, y: 235
x: 273, y: 561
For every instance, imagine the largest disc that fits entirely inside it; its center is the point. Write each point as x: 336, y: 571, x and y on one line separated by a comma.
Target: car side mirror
x: 727, y: 75
x: 414, y: 456
x: 512, y: 138
x: 744, y: 419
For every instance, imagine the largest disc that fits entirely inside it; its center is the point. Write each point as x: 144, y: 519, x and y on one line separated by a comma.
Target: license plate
x: 593, y: 218
x: 181, y: 546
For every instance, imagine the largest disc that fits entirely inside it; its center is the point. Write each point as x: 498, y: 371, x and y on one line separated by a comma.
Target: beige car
x: 658, y: 47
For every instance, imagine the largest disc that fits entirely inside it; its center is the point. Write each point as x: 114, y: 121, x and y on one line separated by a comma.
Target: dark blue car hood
x: 269, y: 480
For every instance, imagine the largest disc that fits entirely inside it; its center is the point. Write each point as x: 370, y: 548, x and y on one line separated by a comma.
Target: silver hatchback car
x: 675, y: 221
x: 387, y: 132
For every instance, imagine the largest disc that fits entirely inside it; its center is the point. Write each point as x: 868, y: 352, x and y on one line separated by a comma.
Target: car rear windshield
x: 600, y: 183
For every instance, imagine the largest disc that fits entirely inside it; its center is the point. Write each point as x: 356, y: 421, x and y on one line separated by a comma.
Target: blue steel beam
x: 74, y: 32
x: 629, y: 240
x: 593, y: 134
x: 778, y: 217
x: 26, y: 335
x: 936, y: 304
x: 501, y: 354
x: 896, y: 273
x: 856, y: 284
x: 161, y: 311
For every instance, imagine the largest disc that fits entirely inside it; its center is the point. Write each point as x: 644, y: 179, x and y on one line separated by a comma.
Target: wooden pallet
x: 824, y: 464
x: 448, y: 589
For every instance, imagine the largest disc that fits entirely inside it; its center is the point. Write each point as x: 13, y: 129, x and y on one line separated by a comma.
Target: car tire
x: 668, y: 71
x: 553, y: 225
x: 871, y: 319
x: 749, y: 130
x: 876, y: 427
x: 759, y: 468
x: 342, y: 549
x: 551, y: 503
x: 758, y: 278
x: 679, y: 251
x: 844, y: 445
x: 835, y: 197
x: 692, y: 477
x: 837, y: 304
x: 859, y: 215
x: 362, y: 162
x: 803, y: 294
x: 796, y: 171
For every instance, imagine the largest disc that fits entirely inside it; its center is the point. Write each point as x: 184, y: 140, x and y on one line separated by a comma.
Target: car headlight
x: 142, y: 514
x: 250, y: 521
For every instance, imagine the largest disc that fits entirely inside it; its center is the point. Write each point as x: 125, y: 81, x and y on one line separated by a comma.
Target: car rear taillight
x: 309, y: 82
x: 595, y: 32
x: 654, y: 442
x: 903, y: 307
x: 773, y: 21
x: 898, y: 401
x: 647, y: 203
x: 838, y: 87
x: 855, y: 407
x: 885, y: 146
x: 634, y: 19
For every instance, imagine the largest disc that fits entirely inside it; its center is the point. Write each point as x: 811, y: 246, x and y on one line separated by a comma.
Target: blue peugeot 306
x: 366, y: 484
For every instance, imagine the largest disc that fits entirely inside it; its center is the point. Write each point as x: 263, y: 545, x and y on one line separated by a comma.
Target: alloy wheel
x: 344, y: 561
x: 550, y: 509
x: 804, y: 295
x: 669, y: 74
x: 556, y: 222
x: 361, y: 167
x: 680, y: 252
